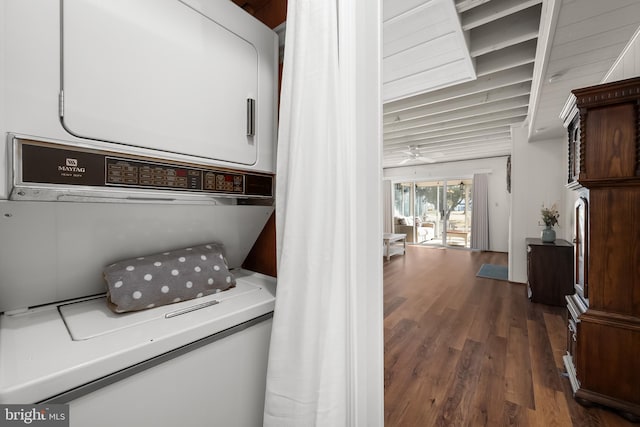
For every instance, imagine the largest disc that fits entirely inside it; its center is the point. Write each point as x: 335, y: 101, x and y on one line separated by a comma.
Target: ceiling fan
x: 413, y: 154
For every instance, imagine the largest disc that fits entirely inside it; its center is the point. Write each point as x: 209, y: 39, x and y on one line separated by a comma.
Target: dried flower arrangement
x: 550, y: 215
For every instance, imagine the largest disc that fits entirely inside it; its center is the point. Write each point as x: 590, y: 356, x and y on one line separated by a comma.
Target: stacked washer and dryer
x: 132, y: 128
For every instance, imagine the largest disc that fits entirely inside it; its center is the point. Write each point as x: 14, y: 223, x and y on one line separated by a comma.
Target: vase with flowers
x: 550, y: 218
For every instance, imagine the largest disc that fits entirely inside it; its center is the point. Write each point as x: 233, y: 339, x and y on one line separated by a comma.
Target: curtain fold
x: 480, y: 218
x: 308, y: 370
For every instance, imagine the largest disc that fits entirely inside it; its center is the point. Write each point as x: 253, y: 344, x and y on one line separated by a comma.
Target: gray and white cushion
x: 168, y: 277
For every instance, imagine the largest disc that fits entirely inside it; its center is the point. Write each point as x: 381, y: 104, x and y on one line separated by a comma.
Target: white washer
x: 201, y: 367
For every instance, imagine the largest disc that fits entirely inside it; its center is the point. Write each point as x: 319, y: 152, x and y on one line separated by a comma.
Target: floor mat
x: 492, y: 271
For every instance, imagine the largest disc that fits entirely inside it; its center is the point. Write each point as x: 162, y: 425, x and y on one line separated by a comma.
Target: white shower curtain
x: 308, y: 372
x: 480, y: 218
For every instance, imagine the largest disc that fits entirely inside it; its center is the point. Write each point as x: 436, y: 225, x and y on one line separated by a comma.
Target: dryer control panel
x: 49, y: 165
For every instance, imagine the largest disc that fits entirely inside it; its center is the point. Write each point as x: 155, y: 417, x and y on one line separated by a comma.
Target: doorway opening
x: 436, y: 213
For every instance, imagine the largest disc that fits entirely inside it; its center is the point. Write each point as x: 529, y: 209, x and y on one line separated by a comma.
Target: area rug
x: 492, y: 271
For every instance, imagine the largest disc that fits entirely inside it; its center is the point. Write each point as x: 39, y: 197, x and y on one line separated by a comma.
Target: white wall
x: 364, y: 20
x: 498, y: 196
x: 538, y: 176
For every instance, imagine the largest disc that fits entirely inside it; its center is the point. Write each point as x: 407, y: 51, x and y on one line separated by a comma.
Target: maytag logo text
x: 71, y: 165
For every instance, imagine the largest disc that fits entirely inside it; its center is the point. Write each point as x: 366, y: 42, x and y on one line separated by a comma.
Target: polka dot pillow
x: 166, y: 278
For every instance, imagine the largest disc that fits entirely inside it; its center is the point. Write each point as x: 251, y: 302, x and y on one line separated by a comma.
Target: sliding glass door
x: 434, y: 212
x: 457, y: 213
x: 403, y: 207
x: 428, y: 211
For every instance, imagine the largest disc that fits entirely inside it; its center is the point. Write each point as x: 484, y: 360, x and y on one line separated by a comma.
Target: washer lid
x: 92, y: 318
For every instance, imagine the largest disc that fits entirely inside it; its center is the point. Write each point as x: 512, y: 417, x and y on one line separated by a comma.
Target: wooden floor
x: 467, y: 351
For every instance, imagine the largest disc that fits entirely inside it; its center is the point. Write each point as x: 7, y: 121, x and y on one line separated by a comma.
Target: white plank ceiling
x: 458, y: 73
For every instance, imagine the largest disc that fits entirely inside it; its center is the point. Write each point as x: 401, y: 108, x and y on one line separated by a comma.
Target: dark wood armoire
x: 603, y: 357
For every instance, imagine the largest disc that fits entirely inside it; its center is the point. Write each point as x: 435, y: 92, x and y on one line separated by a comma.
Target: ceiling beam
x: 452, y: 124
x: 446, y: 150
x: 470, y: 154
x: 459, y: 155
x: 499, y: 94
x: 461, y: 113
x: 548, y: 22
x: 504, y: 32
x: 504, y: 59
x: 495, y: 9
x: 490, y: 124
x: 497, y: 80
x: 476, y: 133
x: 467, y: 151
x: 464, y: 5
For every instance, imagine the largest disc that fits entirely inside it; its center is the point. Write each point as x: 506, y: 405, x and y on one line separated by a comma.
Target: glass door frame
x: 403, y: 223
x: 456, y: 191
x: 431, y: 219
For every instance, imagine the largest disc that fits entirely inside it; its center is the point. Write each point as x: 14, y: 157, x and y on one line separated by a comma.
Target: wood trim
x: 610, y: 182
x: 273, y: 13
x: 583, y: 144
x: 270, y: 12
x: 609, y: 93
x: 627, y: 409
x: 611, y: 319
x: 637, y: 112
x: 262, y: 257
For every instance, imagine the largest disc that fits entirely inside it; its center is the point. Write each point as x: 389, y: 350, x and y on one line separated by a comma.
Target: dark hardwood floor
x: 467, y: 351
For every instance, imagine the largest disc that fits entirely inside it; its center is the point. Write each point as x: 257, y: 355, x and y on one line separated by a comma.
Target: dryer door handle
x: 251, y: 117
